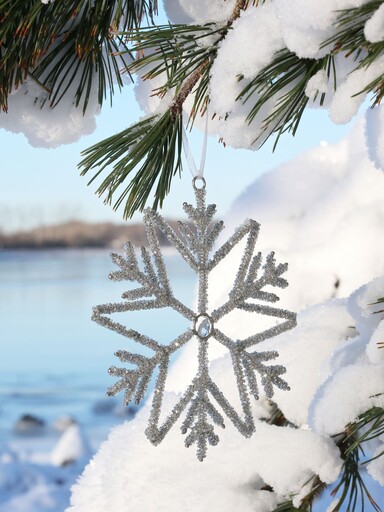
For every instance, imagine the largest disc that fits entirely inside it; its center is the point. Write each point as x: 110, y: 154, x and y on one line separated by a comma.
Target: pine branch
x: 283, y: 81
x: 177, y: 52
x: 149, y: 152
x: 354, y: 490
x: 66, y: 42
x: 70, y: 47
x: 350, y: 39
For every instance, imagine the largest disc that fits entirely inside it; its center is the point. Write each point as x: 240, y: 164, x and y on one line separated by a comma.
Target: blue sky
x: 43, y: 186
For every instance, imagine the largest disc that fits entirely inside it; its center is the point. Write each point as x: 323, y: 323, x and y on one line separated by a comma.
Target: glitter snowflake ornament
x: 202, y: 403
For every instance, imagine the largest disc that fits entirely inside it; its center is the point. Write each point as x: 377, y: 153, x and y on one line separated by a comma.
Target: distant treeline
x: 79, y: 234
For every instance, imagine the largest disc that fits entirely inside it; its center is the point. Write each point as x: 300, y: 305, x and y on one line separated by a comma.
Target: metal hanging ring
x: 199, y: 180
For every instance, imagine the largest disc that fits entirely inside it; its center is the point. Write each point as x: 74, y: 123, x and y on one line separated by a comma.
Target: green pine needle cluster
x: 350, y: 39
x: 149, y: 152
x: 65, y: 42
x: 146, y: 156
x: 287, y: 77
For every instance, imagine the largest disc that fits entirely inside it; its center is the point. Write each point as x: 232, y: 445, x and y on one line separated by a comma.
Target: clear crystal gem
x: 203, y: 326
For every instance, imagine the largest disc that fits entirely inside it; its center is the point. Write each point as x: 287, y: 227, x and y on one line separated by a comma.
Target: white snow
x: 325, y: 218
x: 349, y: 95
x: 349, y: 392
x: 374, y: 133
x: 374, y: 27
x: 257, y: 28
x: 130, y: 474
x: 234, y: 471
x: 200, y: 11
x: 318, y: 83
x: 44, y: 126
x: 375, y: 352
x: 71, y: 447
x: 321, y: 330
x: 307, y: 25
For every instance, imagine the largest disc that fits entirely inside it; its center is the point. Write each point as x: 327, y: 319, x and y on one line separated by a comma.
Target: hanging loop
x: 196, y: 173
x: 199, y: 183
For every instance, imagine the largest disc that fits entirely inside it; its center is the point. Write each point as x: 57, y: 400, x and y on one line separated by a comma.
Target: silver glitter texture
x: 202, y: 400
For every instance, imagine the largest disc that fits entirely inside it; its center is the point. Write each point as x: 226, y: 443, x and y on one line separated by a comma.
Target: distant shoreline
x: 78, y: 234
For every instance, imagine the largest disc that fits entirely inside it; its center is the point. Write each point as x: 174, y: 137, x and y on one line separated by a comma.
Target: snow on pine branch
x: 256, y: 39
x: 59, y: 63
x: 306, y: 30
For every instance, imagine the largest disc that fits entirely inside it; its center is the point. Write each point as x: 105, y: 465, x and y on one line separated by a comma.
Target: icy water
x: 53, y: 358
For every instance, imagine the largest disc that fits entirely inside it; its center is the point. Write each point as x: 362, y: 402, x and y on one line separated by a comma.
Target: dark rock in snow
x: 29, y: 425
x: 126, y: 411
x: 104, y: 406
x: 113, y: 407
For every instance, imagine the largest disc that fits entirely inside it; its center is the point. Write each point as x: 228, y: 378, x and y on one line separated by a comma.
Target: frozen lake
x: 53, y: 358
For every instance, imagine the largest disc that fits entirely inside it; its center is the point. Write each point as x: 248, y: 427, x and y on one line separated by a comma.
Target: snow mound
x: 128, y: 473
x: 355, y: 362
x: 325, y: 217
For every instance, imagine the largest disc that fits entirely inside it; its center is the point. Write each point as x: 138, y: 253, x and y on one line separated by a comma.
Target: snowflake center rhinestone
x: 203, y: 326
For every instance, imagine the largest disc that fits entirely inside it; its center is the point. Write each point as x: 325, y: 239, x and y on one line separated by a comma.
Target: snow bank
x: 356, y: 382
x: 325, y: 217
x: 130, y: 474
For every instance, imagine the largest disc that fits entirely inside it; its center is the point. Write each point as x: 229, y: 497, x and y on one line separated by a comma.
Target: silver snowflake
x: 195, y: 246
